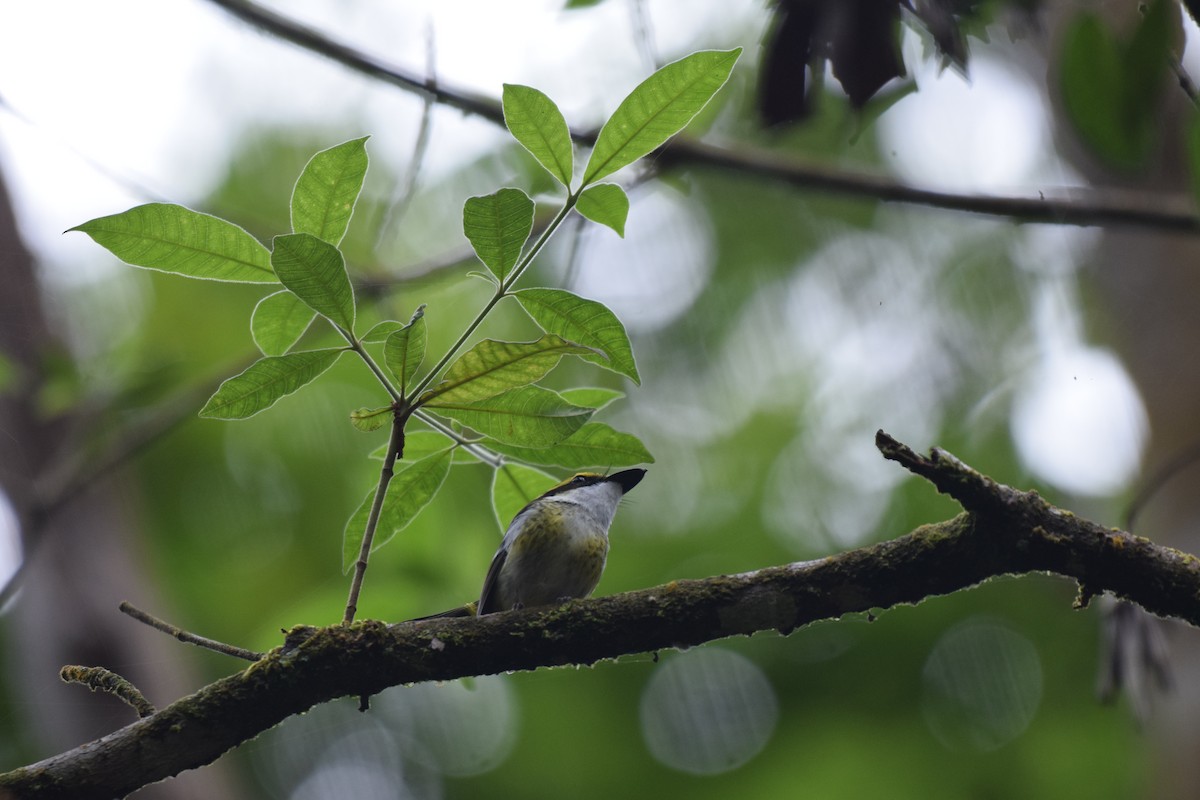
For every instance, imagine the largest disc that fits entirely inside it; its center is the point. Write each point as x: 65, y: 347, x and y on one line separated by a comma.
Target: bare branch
x: 1003, y: 532
x: 186, y: 636
x: 407, y: 190
x: 1063, y: 207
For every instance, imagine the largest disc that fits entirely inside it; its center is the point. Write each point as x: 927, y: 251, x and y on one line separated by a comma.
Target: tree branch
x: 1002, y: 532
x: 187, y: 637
x: 1064, y: 207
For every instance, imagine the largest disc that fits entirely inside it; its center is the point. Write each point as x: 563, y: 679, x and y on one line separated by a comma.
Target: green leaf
x: 278, y: 322
x: 515, y: 486
x: 371, y: 419
x: 497, y: 226
x: 315, y: 271
x: 492, y: 367
x: 381, y: 330
x: 529, y: 416
x: 593, y: 445
x: 265, y: 381
x: 584, y: 321
x: 404, y: 350
x: 591, y: 396
x: 409, y: 491
x: 1146, y: 58
x: 171, y: 238
x: 1091, y: 73
x: 607, y: 204
x: 657, y: 109
x: 535, y: 121
x: 327, y: 190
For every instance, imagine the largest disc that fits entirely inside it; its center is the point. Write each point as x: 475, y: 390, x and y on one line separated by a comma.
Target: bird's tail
x: 465, y: 610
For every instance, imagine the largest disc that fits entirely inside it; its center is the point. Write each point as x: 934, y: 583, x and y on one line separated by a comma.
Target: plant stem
x: 357, y: 347
x: 479, y: 451
x: 404, y: 410
x: 501, y: 292
x: 395, y: 449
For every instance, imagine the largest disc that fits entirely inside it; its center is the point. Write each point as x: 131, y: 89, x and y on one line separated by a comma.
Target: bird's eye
x: 578, y: 479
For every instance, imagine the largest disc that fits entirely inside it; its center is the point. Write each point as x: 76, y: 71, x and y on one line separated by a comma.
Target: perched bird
x: 555, y: 547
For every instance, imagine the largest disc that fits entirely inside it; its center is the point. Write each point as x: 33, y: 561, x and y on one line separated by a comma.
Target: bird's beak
x: 627, y: 479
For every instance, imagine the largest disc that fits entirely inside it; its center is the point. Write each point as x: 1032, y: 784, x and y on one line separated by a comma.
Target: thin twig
x: 574, y: 251
x: 405, y: 193
x: 474, y: 448
x: 135, y: 185
x: 1173, y: 466
x: 501, y: 293
x: 1185, y: 80
x: 395, y: 450
x: 643, y: 34
x: 317, y: 42
x: 99, y: 679
x: 185, y: 636
x: 1064, y: 207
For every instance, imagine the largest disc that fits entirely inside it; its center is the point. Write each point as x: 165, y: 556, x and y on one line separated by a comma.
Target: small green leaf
x: 591, y: 396
x: 278, y: 322
x: 529, y: 416
x: 535, y: 121
x: 371, y: 419
x: 515, y: 486
x: 492, y: 367
x: 265, y: 381
x: 593, y: 445
x: 584, y: 321
x: 327, y: 190
x: 315, y: 271
x: 381, y: 330
x: 497, y: 226
x: 404, y: 350
x: 409, y: 491
x: 657, y: 109
x: 171, y: 238
x: 607, y: 204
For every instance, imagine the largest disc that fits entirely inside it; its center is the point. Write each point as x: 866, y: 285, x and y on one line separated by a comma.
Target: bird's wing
x: 487, y: 600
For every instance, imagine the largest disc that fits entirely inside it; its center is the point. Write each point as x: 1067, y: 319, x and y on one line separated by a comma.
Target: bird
x: 555, y: 547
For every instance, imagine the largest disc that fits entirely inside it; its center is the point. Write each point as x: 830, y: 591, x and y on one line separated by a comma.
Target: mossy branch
x: 99, y: 679
x: 1003, y: 531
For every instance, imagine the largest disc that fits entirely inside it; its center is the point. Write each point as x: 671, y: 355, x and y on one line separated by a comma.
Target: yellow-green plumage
x: 555, y: 548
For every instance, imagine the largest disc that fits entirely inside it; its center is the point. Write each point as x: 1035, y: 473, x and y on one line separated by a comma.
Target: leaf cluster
x: 481, y: 405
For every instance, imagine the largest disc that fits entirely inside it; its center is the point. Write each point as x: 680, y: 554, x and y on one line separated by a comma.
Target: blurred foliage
x: 807, y: 322
x: 1112, y: 89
